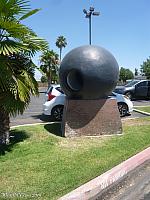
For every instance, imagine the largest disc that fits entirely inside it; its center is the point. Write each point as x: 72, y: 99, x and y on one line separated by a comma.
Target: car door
x: 141, y: 89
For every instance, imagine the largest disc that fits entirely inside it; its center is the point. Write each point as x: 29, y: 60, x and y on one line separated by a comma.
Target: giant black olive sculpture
x: 88, y: 72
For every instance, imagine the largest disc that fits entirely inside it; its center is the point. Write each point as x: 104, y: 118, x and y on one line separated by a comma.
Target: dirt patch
x: 136, y: 122
x: 82, y: 142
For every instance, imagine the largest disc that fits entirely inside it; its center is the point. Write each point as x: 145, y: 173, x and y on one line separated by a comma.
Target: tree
x: 43, y: 79
x: 125, y: 74
x: 60, y: 43
x: 49, y: 64
x: 136, y: 73
x: 145, y: 68
x: 18, y: 44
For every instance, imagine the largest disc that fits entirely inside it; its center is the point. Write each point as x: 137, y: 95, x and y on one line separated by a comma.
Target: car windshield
x: 132, y: 83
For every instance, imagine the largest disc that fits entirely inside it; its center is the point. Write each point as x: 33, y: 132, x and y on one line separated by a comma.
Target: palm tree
x: 60, y: 43
x: 49, y: 64
x: 18, y: 44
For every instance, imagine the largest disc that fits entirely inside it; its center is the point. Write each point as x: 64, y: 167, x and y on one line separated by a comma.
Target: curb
x: 92, y: 189
x: 34, y: 124
x: 142, y: 112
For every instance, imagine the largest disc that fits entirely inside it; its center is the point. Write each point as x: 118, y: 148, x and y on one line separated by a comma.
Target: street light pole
x: 89, y: 16
x: 90, y: 30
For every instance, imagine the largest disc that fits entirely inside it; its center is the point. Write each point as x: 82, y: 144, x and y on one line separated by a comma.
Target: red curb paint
x: 92, y: 188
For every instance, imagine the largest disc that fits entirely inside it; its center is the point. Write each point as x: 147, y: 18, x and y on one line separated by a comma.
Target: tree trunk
x: 4, y: 126
x: 49, y: 79
x: 60, y: 54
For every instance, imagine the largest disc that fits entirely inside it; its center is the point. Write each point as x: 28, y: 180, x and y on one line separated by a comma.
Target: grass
x: 41, y: 165
x: 144, y: 108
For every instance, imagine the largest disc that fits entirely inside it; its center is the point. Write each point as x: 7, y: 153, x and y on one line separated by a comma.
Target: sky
x: 123, y: 27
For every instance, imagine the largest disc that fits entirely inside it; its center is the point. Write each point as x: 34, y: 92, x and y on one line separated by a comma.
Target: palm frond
x: 35, y: 44
x: 61, y: 42
x: 27, y: 81
x: 17, y: 44
x: 29, y: 14
x: 10, y: 47
x: 11, y: 8
x: 7, y: 80
x: 13, y: 29
x: 11, y: 104
x: 17, y: 82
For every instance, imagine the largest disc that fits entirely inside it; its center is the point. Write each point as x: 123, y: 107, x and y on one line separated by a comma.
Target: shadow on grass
x: 54, y: 128
x: 15, y: 137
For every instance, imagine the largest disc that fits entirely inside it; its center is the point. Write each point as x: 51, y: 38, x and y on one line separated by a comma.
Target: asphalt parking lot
x: 135, y: 186
x: 33, y: 114
x: 141, y: 103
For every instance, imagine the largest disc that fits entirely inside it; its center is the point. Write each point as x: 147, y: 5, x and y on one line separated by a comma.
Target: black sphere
x: 88, y: 72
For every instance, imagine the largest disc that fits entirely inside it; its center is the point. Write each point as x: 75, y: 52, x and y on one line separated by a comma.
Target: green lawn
x: 144, y: 108
x: 45, y: 166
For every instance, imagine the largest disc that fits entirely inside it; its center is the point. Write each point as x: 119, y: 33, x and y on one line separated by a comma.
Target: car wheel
x: 57, y: 113
x: 123, y: 109
x: 129, y: 95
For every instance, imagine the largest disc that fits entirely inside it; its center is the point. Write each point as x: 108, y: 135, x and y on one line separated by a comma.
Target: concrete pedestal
x: 91, y: 118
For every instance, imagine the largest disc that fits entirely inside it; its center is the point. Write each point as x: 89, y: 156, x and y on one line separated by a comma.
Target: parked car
x: 136, y: 89
x: 55, y: 99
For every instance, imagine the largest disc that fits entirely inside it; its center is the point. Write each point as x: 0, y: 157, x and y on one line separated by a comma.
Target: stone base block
x: 91, y: 118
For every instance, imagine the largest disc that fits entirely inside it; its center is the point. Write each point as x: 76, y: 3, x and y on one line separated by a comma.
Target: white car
x: 55, y: 99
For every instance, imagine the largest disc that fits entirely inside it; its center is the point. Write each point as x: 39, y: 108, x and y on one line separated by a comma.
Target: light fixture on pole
x: 88, y: 14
